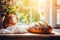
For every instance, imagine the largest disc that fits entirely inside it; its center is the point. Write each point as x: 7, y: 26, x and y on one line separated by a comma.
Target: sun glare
x: 30, y: 5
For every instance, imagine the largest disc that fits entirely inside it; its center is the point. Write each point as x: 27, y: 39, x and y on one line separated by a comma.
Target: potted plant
x: 10, y: 14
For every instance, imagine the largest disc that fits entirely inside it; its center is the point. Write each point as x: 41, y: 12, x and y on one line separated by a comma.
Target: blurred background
x: 29, y: 11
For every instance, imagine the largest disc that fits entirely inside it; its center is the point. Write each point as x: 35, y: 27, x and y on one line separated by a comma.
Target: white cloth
x: 18, y: 28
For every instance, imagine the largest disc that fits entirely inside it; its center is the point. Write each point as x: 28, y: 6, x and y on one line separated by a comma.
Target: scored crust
x: 40, y: 28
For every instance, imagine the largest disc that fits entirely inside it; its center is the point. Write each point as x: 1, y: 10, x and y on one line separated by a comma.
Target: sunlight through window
x: 29, y: 10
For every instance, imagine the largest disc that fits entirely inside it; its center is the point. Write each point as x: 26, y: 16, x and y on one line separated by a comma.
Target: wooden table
x: 55, y: 35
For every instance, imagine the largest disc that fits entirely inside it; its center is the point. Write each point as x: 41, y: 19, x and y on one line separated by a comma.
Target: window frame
x: 53, y: 13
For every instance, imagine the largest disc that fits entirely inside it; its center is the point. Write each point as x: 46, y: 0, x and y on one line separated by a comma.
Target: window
x: 58, y: 16
x: 29, y: 10
x: 58, y: 2
x: 58, y: 12
x: 55, y: 12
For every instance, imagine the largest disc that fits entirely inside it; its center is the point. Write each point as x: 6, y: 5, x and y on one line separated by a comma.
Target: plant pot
x: 10, y: 20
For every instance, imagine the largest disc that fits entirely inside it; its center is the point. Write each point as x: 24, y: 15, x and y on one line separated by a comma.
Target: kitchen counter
x: 55, y: 35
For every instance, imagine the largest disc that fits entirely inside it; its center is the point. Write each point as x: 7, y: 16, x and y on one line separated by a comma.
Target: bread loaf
x: 40, y: 28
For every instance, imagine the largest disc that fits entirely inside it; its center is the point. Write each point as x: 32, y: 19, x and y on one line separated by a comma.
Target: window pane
x: 18, y: 2
x: 58, y: 2
x: 26, y: 3
x: 35, y: 15
x: 24, y: 16
x: 34, y: 2
x: 58, y: 16
x: 29, y: 10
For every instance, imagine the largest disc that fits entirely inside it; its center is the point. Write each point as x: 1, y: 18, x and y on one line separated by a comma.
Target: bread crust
x: 40, y: 28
